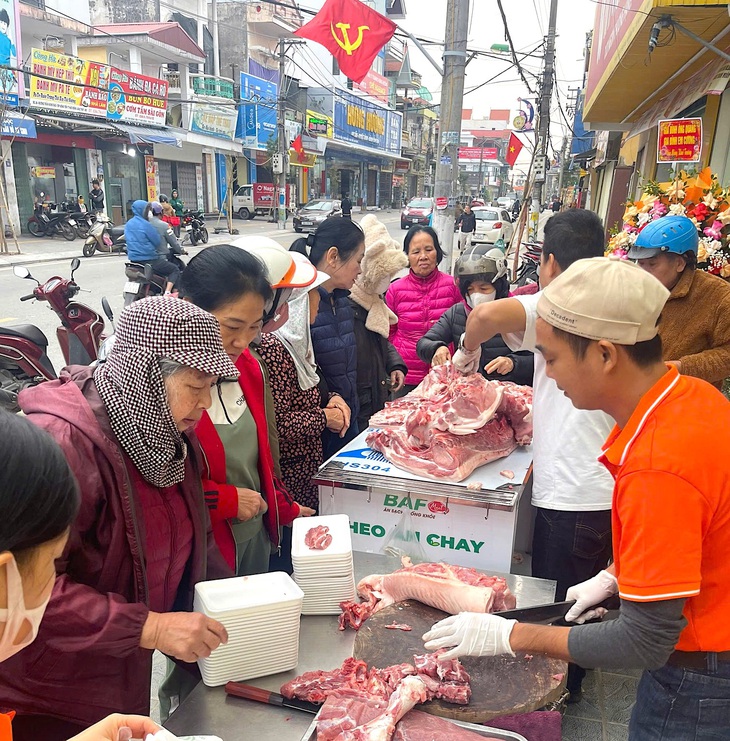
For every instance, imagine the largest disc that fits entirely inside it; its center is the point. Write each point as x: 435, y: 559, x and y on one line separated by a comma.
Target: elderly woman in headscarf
x: 142, y: 538
x: 380, y: 368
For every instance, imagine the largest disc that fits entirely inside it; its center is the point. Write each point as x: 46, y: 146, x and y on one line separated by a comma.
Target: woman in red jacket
x: 248, y: 504
x: 419, y: 299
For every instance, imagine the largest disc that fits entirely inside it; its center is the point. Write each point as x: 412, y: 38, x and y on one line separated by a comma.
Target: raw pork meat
x: 409, y: 693
x: 452, y: 589
x: 444, y: 678
x: 451, y: 424
x: 318, y: 538
x: 340, y: 714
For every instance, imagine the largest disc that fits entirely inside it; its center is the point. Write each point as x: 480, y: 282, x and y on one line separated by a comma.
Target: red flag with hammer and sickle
x: 352, y: 32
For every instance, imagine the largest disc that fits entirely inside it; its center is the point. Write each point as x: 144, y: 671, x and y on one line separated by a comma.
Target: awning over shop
x: 66, y: 123
x: 376, y: 155
x: 145, y: 135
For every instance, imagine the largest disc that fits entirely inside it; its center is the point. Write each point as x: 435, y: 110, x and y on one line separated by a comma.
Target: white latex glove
x: 589, y: 593
x: 471, y: 634
x: 466, y: 361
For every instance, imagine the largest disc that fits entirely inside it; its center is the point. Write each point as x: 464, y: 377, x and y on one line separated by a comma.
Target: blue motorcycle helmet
x: 673, y: 234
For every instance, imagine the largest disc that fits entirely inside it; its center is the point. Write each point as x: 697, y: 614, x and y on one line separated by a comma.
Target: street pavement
x: 103, y: 274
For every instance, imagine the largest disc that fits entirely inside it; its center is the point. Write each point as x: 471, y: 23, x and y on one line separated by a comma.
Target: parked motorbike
x: 84, y: 221
x: 142, y: 281
x: 193, y: 224
x: 23, y: 347
x: 105, y: 237
x: 47, y: 222
x: 529, y: 270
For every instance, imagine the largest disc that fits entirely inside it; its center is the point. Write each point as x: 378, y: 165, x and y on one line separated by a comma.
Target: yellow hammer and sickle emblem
x: 347, y: 46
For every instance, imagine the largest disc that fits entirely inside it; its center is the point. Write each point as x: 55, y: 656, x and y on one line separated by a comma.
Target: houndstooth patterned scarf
x: 132, y: 387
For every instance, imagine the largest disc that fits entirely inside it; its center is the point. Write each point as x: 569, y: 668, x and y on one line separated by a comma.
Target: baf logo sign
x: 257, y: 112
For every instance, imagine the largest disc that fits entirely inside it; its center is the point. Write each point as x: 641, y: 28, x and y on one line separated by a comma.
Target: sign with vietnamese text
x: 214, y: 121
x: 679, y: 140
x: 441, y: 202
x: 19, y: 127
x: 151, y: 177
x: 318, y: 124
x: 136, y: 98
x: 46, y: 171
x: 59, y: 82
x: 470, y: 154
x: 359, y: 121
x: 375, y: 85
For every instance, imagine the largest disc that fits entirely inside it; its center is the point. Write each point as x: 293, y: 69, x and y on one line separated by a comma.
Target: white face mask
x: 474, y: 299
x: 16, y: 615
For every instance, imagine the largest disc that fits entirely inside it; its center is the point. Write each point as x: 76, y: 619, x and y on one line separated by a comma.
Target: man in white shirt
x: 571, y: 489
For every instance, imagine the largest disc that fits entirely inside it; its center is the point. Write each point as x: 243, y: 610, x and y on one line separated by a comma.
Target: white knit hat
x: 384, y: 257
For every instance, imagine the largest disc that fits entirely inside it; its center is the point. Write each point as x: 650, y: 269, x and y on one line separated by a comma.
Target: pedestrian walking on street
x: 466, y: 223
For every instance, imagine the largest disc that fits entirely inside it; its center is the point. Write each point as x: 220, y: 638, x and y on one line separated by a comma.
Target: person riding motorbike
x: 145, y: 244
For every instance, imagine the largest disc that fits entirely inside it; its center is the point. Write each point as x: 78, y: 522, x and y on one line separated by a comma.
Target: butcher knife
x: 552, y: 613
x: 248, y: 692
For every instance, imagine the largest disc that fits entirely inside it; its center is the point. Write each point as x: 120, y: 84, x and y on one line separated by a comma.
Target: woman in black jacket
x: 482, y: 275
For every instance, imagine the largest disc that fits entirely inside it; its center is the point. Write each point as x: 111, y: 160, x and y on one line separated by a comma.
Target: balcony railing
x: 173, y: 79
x: 41, y: 4
x: 216, y: 87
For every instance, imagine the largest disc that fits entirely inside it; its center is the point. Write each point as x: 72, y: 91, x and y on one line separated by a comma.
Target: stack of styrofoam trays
x: 326, y: 576
x: 261, y: 614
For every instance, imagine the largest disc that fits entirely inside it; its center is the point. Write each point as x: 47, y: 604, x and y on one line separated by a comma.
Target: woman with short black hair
x: 336, y: 248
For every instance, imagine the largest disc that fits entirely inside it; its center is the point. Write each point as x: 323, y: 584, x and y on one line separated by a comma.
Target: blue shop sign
x: 358, y: 121
x: 18, y: 126
x: 257, y: 112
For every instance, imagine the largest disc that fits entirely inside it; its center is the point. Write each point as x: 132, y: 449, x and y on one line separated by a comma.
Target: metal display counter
x: 469, y: 523
x: 208, y: 710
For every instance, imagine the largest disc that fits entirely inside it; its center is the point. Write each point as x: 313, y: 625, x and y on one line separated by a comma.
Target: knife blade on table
x: 552, y: 613
x: 249, y: 692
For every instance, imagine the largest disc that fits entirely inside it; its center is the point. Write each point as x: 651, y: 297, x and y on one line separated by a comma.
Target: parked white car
x: 492, y: 224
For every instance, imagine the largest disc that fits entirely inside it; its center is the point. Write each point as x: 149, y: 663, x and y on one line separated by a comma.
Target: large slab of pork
x: 452, y: 589
x: 451, y: 424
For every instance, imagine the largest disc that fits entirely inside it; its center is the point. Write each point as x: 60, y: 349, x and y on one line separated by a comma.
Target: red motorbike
x: 23, y: 347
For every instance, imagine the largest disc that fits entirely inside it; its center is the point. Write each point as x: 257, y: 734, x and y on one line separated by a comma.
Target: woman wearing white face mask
x: 39, y: 500
x: 481, y: 273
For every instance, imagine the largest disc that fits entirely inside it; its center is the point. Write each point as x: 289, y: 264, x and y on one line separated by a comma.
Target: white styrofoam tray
x: 338, y: 550
x: 239, y: 594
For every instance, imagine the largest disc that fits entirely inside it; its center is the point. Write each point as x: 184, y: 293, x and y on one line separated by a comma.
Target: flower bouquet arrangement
x: 700, y: 197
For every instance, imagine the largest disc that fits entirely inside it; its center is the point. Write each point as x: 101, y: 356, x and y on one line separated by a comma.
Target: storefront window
x: 125, y: 184
x: 52, y: 174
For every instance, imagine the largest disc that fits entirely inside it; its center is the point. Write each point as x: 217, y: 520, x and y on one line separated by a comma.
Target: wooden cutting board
x: 500, y: 685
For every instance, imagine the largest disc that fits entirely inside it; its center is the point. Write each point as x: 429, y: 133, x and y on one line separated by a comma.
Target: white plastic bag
x: 403, y: 541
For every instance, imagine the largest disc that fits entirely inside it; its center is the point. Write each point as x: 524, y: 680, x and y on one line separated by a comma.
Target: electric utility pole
x: 544, y: 113
x: 452, y: 98
x: 283, y: 144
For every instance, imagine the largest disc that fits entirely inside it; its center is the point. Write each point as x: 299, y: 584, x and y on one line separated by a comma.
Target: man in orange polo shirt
x: 598, y: 333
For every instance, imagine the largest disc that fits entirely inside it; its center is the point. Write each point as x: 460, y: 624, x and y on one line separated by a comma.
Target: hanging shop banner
x: 359, y: 121
x: 136, y: 98
x: 257, y: 113
x: 43, y: 172
x: 214, y: 121
x: 19, y: 127
x: 11, y: 83
x: 59, y: 82
x: 394, y: 132
x: 679, y: 140
x: 152, y: 177
x: 472, y: 154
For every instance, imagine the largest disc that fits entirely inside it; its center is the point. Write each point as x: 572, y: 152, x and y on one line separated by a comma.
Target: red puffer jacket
x: 418, y: 303
x: 221, y: 497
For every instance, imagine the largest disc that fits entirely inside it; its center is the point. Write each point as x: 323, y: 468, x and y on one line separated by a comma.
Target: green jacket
x: 178, y: 205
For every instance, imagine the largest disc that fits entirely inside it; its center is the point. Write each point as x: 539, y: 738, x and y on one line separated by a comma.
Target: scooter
x: 24, y: 360
x: 105, y: 237
x: 142, y: 281
x: 47, y: 223
x: 528, y: 271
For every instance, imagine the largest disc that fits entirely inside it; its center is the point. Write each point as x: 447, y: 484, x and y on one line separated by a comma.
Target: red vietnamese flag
x: 298, y: 148
x: 352, y: 32
x: 513, y: 150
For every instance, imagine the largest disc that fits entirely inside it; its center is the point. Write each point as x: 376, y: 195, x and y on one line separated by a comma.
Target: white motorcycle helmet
x: 287, y: 271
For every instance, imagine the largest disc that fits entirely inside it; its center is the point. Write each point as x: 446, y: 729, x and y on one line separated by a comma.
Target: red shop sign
x: 679, y: 140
